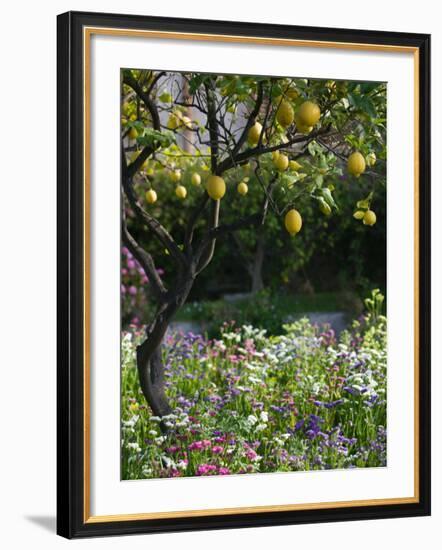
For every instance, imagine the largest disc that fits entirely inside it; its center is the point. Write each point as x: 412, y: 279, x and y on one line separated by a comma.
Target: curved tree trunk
x: 149, y: 354
x: 151, y: 374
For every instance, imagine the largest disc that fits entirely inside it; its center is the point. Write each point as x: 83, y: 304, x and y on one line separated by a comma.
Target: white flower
x: 182, y: 465
x: 264, y: 416
x: 168, y: 462
x: 134, y: 446
x: 252, y: 420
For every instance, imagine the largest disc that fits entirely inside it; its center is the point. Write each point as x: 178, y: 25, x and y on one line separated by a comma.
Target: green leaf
x: 365, y: 203
x: 328, y: 197
x: 155, y: 138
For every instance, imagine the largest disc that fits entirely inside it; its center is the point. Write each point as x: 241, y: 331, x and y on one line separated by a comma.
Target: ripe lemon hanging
x: 300, y: 127
x: 242, y: 188
x: 181, y: 192
x: 356, y: 164
x: 369, y: 218
x: 196, y: 179
x: 309, y: 113
x: 254, y: 133
x: 292, y: 93
x: 215, y: 187
x: 281, y: 162
x: 176, y: 176
x: 285, y: 114
x: 293, y: 221
x: 151, y: 196
x: 133, y: 134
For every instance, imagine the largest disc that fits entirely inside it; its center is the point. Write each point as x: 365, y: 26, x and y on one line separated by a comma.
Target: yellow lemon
x: 133, y: 134
x: 175, y: 176
x: 254, y: 133
x: 356, y: 164
x: 196, y: 179
x: 292, y: 93
x: 294, y: 165
x: 151, y: 196
x: 216, y: 187
x: 302, y: 128
x: 181, y: 191
x: 242, y: 188
x: 309, y: 113
x: 285, y: 114
x: 275, y: 155
x: 293, y: 221
x: 358, y: 215
x: 281, y: 162
x: 371, y: 159
x: 369, y: 218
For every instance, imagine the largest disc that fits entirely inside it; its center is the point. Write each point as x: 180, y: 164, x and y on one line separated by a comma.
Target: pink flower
x: 131, y: 264
x: 205, y: 469
x: 200, y: 445
x: 133, y: 290
x: 250, y: 454
x: 224, y: 471
x: 217, y: 449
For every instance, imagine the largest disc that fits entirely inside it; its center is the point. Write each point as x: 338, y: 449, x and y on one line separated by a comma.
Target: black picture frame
x: 71, y: 521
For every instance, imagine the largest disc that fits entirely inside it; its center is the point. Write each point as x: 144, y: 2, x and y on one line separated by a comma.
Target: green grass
x: 265, y: 310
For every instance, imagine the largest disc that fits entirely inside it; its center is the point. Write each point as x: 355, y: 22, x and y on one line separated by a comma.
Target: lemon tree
x: 193, y: 144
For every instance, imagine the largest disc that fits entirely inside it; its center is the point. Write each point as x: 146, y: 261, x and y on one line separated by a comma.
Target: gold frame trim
x: 87, y: 33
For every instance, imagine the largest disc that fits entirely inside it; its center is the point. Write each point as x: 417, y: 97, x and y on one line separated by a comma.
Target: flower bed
x: 248, y: 403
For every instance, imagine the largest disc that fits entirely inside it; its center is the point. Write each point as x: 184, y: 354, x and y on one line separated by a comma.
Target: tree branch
x: 190, y: 228
x: 145, y: 218
x: 206, y: 249
x: 250, y: 121
x: 145, y: 97
x: 146, y: 262
x: 229, y: 162
x: 212, y: 123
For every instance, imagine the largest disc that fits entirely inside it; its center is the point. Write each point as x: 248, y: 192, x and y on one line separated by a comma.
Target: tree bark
x: 150, y: 363
x: 256, y: 267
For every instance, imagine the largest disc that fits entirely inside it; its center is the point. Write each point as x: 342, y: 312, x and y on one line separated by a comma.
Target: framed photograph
x: 243, y: 274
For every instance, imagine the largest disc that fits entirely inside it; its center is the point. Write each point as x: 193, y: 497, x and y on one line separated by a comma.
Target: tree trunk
x: 256, y: 267
x: 151, y: 374
x: 149, y: 354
